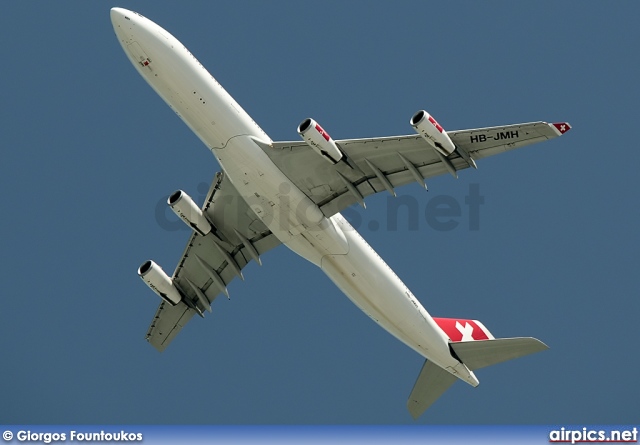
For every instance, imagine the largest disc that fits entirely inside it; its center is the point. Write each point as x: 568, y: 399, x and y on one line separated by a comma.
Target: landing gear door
x: 139, y: 55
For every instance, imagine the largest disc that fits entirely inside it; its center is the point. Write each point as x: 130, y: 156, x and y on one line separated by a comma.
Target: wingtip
x: 562, y: 127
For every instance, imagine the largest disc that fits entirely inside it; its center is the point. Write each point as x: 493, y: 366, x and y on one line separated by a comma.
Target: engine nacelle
x: 183, y: 206
x: 432, y: 132
x: 314, y: 135
x: 159, y: 282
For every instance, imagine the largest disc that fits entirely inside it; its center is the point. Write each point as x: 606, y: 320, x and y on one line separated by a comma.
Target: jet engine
x: 159, y: 282
x: 189, y: 212
x: 314, y: 135
x: 432, y: 132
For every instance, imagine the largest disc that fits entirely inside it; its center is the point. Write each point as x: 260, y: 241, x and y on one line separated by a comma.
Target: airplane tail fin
x: 474, y: 349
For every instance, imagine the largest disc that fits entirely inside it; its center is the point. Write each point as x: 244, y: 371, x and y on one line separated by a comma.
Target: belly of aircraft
x: 225, y: 128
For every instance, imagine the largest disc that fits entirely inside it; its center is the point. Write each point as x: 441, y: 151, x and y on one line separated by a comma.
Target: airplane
x: 270, y: 193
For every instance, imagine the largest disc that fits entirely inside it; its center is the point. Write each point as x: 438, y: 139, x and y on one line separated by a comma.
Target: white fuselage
x: 231, y: 135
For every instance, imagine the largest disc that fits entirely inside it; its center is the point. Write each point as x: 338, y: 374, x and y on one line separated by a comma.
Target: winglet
x: 561, y: 127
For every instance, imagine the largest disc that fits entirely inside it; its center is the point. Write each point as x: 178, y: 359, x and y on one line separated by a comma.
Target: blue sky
x: 89, y: 153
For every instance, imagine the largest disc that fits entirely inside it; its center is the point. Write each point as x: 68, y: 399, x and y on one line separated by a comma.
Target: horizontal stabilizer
x: 432, y: 382
x: 479, y: 354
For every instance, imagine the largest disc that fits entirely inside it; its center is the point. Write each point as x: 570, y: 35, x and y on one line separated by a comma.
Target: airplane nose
x: 119, y: 15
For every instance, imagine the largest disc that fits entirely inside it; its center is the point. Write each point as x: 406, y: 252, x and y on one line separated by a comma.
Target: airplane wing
x: 211, y: 261
x: 378, y: 164
x: 372, y: 165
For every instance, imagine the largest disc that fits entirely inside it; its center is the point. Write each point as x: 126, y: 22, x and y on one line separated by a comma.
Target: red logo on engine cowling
x: 436, y: 124
x: 323, y: 133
